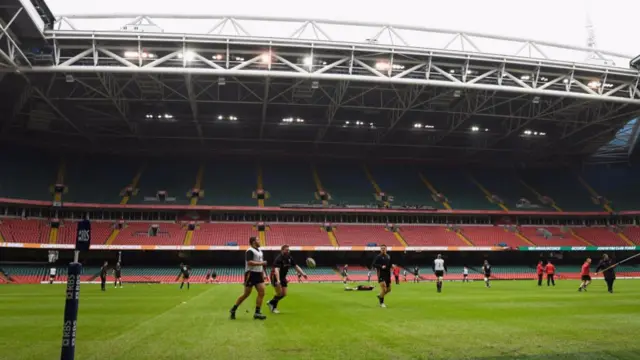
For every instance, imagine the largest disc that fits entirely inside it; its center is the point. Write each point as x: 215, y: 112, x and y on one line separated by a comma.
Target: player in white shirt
x: 254, y: 276
x: 439, y: 268
x: 369, y: 276
x: 52, y: 275
x: 465, y: 274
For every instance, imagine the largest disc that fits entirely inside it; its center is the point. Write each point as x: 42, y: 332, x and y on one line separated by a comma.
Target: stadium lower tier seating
x: 363, y: 235
x: 24, y: 274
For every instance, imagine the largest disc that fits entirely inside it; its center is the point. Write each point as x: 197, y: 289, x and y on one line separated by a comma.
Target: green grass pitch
x: 512, y: 320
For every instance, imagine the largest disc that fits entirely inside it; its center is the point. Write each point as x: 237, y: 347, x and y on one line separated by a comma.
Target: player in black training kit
x: 117, y: 274
x: 185, y: 272
x: 416, y: 274
x: 254, y: 276
x: 279, y: 271
x: 382, y: 263
x: 486, y: 270
x: 103, y: 276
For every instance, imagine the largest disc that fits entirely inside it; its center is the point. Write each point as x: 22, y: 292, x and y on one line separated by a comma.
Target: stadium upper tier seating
x: 101, y: 179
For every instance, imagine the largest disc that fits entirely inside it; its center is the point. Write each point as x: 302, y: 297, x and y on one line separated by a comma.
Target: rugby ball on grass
x: 311, y: 263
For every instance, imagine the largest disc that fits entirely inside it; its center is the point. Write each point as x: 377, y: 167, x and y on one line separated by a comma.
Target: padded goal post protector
x: 70, y: 321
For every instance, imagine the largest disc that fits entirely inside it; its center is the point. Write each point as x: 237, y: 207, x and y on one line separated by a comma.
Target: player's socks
x: 188, y: 286
x: 181, y: 285
x: 234, y: 308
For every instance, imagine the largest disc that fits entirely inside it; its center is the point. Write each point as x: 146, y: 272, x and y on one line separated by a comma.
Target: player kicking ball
x: 254, y: 276
x: 382, y: 263
x: 439, y: 268
x: 279, y: 271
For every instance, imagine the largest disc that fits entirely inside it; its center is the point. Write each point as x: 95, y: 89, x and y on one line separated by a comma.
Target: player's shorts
x: 118, y: 275
x: 185, y: 276
x: 253, y: 278
x: 282, y: 282
x: 465, y: 275
x: 586, y: 278
x: 385, y: 279
x: 488, y: 276
x: 439, y: 273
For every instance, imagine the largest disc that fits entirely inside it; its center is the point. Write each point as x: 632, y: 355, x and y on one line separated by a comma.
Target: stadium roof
x: 244, y: 85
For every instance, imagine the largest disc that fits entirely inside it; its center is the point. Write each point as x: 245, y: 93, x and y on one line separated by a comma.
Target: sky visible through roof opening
x: 615, y: 21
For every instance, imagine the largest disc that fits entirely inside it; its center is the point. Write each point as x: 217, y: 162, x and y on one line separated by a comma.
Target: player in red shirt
x: 540, y: 271
x: 396, y: 273
x: 551, y: 272
x: 585, y: 275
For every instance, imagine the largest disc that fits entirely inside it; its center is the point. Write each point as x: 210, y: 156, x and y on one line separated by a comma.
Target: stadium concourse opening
x: 197, y: 157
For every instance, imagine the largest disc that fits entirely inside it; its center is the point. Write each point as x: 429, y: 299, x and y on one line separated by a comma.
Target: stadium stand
x: 297, y: 235
x: 278, y: 178
x: 98, y: 179
x: 139, y: 234
x: 363, y: 235
x: 492, y: 236
x: 346, y: 183
x: 25, y: 231
x: 563, y: 187
x: 633, y: 234
x: 404, y: 184
x: 618, y: 184
x: 174, y: 177
x: 27, y: 175
x: 507, y: 187
x: 223, y: 234
x: 417, y: 235
x: 550, y: 236
x: 228, y: 183
x: 459, y: 189
x: 600, y: 236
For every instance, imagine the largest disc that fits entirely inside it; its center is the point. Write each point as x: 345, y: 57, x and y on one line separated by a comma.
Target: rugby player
x: 117, y: 274
x: 279, y: 271
x: 486, y: 270
x: 439, y: 268
x: 382, y: 263
x: 185, y: 272
x: 345, y: 273
x: 254, y: 276
x: 103, y: 276
x: 416, y: 274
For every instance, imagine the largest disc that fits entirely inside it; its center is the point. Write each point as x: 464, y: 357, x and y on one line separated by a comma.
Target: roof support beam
x: 336, y: 100
x: 265, y: 104
x: 194, y: 106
